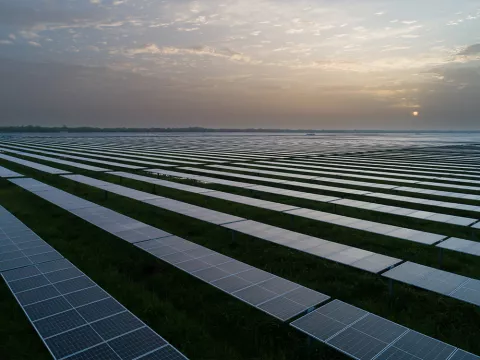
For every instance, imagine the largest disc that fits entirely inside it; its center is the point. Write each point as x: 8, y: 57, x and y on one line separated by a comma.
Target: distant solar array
x: 33, y: 165
x: 347, y: 255
x: 54, y: 160
x: 349, y: 191
x: 75, y: 318
x: 419, y: 181
x: 87, y: 159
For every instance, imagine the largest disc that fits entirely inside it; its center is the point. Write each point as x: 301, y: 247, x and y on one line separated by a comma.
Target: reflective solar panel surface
x: 421, y: 181
x: 6, y: 173
x: 365, y: 336
x: 279, y: 297
x: 33, y: 165
x: 365, y: 260
x: 55, y: 160
x: 74, y: 317
x: 442, y: 282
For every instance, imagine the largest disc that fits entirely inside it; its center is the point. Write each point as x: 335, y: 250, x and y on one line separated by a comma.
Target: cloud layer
x: 242, y: 63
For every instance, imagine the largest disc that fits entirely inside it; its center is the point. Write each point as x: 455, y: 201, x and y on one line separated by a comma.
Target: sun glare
x: 415, y: 113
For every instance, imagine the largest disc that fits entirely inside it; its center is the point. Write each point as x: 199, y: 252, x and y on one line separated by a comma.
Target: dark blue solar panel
x: 58, y: 323
x: 47, y: 308
x: 99, y: 352
x: 136, y: 343
x: 165, y: 353
x: 79, y: 283
x: 86, y: 296
x: 100, y: 309
x: 28, y: 283
x: 116, y: 325
x: 73, y: 341
x: 36, y: 295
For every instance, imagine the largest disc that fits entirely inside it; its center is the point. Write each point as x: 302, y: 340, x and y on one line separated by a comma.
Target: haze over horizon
x: 313, y: 64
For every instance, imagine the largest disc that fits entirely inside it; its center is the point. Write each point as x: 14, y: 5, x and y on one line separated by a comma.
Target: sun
x: 415, y: 113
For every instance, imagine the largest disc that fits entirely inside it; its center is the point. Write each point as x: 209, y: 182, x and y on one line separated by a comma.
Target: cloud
x: 294, y: 31
x: 28, y: 34
x: 59, y: 93
x: 77, y: 95
x: 188, y: 29
x: 6, y: 42
x: 194, y: 50
x: 34, y: 44
x: 471, y: 50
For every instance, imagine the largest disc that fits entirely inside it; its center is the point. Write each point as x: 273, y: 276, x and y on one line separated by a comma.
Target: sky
x: 313, y: 64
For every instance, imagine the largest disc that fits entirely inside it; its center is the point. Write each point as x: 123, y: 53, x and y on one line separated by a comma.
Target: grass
x: 201, y: 321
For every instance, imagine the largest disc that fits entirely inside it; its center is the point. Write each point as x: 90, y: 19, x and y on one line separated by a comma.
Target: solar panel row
x: 6, y: 173
x: 461, y: 245
x: 439, y: 281
x: 291, y: 168
x: 343, y: 254
x: 153, y: 155
x: 355, y: 191
x: 351, y: 330
x: 74, y: 317
x: 392, y: 177
x: 365, y: 336
x: 430, y: 165
x: 305, y: 195
x: 305, y: 177
x: 361, y: 183
x: 279, y: 297
x: 124, y: 154
x: 340, y: 220
x: 87, y: 159
x: 365, y: 260
x: 33, y: 165
x: 55, y: 160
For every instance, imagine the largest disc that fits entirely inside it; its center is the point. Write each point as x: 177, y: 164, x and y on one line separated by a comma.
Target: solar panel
x: 73, y: 321
x: 334, y: 173
x: 87, y: 159
x: 423, y: 346
x: 73, y: 315
x: 14, y: 255
x: 186, y: 256
x: 469, y: 291
x: 169, y: 353
x: 33, y: 165
x: 343, y: 254
x: 136, y: 343
x: 304, y: 177
x: 457, y: 220
x: 448, y: 205
x: 363, y: 335
x: 55, y: 160
x: 463, y: 355
x: 6, y: 173
x: 442, y: 282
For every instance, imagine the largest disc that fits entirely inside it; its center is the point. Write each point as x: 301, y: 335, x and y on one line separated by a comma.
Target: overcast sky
x: 323, y: 64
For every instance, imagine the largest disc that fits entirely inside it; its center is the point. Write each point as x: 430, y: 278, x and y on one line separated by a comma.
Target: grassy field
x: 203, y: 322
